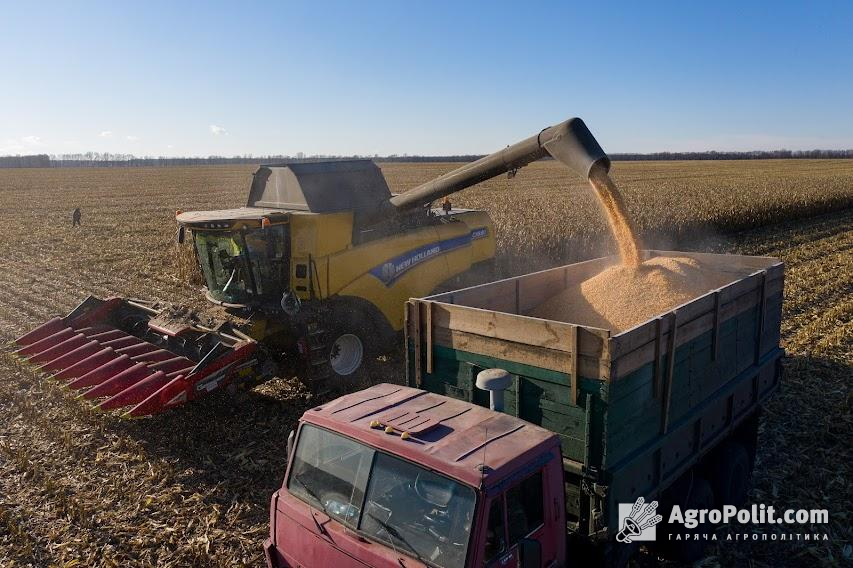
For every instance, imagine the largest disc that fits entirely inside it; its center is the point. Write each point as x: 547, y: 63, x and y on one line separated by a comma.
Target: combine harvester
x: 320, y: 262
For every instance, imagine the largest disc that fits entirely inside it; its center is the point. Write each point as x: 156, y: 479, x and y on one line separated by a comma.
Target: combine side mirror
x: 291, y: 438
x: 529, y: 553
x: 181, y: 235
x: 290, y: 303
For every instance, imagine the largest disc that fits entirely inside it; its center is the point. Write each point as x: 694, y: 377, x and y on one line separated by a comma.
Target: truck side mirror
x: 181, y: 235
x: 529, y: 553
x: 291, y: 438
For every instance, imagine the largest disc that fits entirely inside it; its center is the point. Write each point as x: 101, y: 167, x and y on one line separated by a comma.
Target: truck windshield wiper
x: 298, y: 477
x: 320, y: 527
x: 395, y: 534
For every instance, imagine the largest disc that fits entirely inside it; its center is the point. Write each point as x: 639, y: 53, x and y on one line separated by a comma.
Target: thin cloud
x: 19, y: 145
x: 218, y: 130
x: 106, y: 134
x: 132, y: 138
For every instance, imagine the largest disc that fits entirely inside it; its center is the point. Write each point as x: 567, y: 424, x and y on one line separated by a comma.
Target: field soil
x: 192, y: 487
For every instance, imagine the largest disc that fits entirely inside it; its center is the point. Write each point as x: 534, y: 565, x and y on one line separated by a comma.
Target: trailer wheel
x: 678, y: 543
x: 730, y: 475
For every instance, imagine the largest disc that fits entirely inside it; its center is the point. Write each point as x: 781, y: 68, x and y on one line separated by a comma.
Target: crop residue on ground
x: 192, y: 487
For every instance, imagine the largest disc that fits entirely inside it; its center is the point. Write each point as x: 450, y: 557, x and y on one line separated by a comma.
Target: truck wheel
x: 730, y: 475
x: 688, y: 549
x: 747, y: 436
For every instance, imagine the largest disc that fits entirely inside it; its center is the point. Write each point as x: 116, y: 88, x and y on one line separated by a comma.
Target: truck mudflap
x: 143, y: 357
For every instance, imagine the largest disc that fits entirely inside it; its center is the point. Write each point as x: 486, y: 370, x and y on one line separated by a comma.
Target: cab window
x: 513, y: 516
x: 525, y: 508
x: 495, y: 531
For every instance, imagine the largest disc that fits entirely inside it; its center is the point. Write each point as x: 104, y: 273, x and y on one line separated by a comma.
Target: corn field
x: 192, y: 487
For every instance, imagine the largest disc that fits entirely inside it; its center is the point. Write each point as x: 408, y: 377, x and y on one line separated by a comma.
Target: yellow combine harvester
x: 306, y: 254
x: 320, y: 261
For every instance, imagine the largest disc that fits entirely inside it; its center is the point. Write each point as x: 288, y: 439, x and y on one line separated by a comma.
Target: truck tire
x: 747, y: 436
x: 730, y: 475
x: 688, y: 550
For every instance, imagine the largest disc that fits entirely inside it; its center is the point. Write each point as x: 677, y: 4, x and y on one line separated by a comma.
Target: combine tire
x: 730, y: 475
x: 352, y: 345
x: 346, y: 354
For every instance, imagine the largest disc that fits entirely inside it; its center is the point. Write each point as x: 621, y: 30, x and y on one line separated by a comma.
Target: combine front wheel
x: 346, y: 354
x: 341, y: 353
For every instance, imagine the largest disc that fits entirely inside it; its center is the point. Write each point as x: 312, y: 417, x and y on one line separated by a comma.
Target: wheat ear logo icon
x: 640, y: 518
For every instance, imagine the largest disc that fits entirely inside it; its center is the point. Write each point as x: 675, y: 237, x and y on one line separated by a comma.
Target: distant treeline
x: 107, y: 160
x: 37, y: 161
x: 753, y: 155
x: 98, y: 160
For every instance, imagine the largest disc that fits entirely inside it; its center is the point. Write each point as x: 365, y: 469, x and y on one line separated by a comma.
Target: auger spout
x: 570, y: 142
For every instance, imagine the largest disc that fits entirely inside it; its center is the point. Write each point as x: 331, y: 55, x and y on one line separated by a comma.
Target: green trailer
x: 636, y: 410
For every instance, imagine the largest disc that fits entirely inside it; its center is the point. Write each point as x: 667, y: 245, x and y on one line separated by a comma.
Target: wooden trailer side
x: 715, y: 338
x: 632, y: 410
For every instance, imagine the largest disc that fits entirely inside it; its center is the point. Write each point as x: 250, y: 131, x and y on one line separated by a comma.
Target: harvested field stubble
x: 192, y: 487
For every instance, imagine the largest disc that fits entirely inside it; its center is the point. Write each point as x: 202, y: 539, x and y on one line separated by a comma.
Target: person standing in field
x: 76, y: 218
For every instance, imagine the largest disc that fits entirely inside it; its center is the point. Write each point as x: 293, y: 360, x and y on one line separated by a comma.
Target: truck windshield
x: 245, y: 267
x: 412, y: 510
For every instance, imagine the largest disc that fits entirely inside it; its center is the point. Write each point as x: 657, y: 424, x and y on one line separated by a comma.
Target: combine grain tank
x: 634, y: 410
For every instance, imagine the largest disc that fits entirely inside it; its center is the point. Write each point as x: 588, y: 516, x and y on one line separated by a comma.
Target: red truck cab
x: 399, y: 477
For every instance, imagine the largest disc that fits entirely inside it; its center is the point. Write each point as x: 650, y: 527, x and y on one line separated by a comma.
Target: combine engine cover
x: 141, y: 356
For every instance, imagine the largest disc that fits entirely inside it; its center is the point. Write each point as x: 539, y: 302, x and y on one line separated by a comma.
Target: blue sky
x: 199, y: 78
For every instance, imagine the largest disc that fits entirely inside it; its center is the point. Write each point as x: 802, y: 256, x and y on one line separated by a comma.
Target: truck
x: 516, y: 439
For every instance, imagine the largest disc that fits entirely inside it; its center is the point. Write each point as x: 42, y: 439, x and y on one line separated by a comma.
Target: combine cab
x: 140, y: 356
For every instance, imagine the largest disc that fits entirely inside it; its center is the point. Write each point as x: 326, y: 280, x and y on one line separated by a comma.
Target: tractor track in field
x: 824, y: 293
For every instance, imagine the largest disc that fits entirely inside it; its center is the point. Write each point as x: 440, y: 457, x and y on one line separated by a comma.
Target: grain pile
x: 620, y: 297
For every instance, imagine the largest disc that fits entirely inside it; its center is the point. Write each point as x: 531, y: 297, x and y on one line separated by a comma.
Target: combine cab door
x: 246, y: 267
